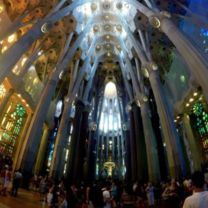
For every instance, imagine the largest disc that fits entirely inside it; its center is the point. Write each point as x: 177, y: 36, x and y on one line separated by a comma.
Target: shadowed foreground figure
x: 200, y: 197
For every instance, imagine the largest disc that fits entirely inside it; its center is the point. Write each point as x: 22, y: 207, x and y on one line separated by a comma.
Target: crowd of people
x: 191, y: 192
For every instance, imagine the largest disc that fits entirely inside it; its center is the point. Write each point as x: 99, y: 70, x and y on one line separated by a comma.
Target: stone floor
x: 26, y: 199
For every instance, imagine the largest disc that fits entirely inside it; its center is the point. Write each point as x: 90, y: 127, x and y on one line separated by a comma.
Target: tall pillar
x: 21, y: 144
x: 61, y: 141
x: 5, y: 100
x: 101, y: 156
x: 82, y: 143
x: 132, y: 145
x: 42, y: 151
x: 79, y: 106
x: 91, y: 153
x: 140, y: 145
x: 128, y: 152
x: 119, y: 156
x: 174, y: 150
x: 33, y: 135
x: 193, y: 147
x: 152, y: 156
x: 107, y: 147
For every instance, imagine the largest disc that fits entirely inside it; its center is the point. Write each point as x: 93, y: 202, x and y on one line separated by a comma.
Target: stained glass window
x: 202, y: 124
x: 2, y: 91
x: 20, y: 110
x: 11, y: 126
x: 50, y: 158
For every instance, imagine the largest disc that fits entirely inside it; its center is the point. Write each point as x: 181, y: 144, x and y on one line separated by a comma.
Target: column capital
x: 125, y: 126
x: 148, y: 68
x: 93, y: 126
x: 128, y: 107
x: 140, y: 99
x: 156, y: 19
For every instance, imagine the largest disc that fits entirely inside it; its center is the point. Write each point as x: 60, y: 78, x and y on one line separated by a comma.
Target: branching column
x: 174, y: 150
x: 195, y: 58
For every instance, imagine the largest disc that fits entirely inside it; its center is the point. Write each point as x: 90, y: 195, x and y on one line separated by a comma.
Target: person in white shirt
x: 200, y: 197
x: 135, y: 186
x: 106, y: 196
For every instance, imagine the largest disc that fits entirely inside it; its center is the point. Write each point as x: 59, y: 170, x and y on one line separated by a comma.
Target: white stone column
x: 174, y: 150
x: 195, y: 58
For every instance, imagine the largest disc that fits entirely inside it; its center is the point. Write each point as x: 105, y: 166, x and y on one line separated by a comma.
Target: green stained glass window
x: 197, y: 109
x: 16, y: 129
x: 19, y: 121
x: 182, y: 78
x: 20, y: 110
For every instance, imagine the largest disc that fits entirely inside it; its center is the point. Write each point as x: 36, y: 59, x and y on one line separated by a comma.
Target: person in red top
x: 7, y: 181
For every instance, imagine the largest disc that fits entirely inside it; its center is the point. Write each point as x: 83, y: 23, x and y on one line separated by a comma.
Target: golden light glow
x: 23, y: 101
x: 4, y: 49
x: 187, y: 105
x: 178, y: 117
x: 1, y: 9
x: 3, y: 121
x: 195, y: 94
x: 108, y: 55
x: 19, y: 95
x: 9, y: 109
x: 107, y: 37
x: 11, y: 38
x: 2, y: 91
x: 23, y: 61
x: 106, y: 16
x: 27, y: 105
x: 175, y: 121
x: 191, y: 100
